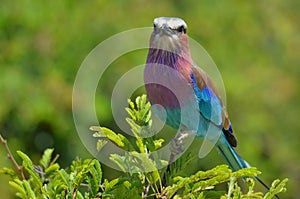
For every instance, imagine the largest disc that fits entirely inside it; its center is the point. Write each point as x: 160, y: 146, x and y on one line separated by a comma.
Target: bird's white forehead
x: 172, y: 22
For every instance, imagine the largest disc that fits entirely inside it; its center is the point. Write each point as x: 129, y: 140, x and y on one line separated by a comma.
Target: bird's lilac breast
x: 180, y: 105
x: 165, y: 78
x: 158, y: 87
x: 167, y: 85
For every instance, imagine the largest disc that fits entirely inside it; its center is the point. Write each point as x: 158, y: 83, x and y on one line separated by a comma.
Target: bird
x: 169, y: 54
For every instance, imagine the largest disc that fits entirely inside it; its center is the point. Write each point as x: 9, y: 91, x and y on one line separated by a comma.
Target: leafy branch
x: 83, y: 179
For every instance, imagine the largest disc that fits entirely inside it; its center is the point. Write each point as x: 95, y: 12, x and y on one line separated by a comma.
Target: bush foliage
x: 84, y: 178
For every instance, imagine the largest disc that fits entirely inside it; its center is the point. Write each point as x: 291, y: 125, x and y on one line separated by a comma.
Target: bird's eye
x: 154, y: 25
x: 181, y: 29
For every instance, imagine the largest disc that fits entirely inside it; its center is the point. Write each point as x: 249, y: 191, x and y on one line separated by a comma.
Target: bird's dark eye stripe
x: 181, y: 29
x: 154, y: 25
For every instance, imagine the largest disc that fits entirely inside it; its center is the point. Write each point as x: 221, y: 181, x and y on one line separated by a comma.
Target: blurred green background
x: 255, y: 44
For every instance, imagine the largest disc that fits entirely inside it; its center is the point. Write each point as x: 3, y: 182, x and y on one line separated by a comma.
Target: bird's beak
x: 165, y: 30
x: 164, y: 26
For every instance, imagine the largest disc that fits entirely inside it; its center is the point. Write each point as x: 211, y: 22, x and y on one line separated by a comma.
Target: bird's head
x: 169, y: 34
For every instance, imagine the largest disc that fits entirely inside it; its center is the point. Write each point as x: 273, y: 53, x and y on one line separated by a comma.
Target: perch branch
x: 10, y: 156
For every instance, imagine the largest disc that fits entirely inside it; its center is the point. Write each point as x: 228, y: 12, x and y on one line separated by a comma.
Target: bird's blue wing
x: 210, y: 106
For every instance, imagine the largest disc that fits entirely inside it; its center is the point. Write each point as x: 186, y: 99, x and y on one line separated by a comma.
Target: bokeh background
x: 255, y: 44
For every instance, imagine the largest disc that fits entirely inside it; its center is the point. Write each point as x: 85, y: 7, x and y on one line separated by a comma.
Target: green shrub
x: 83, y: 178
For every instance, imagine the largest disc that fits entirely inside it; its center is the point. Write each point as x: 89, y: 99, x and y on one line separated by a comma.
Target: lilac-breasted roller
x: 169, y: 48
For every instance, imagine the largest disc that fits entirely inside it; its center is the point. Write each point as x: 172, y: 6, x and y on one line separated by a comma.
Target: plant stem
x: 10, y: 156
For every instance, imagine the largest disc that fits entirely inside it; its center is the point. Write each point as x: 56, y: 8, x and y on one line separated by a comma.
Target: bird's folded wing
x: 210, y: 102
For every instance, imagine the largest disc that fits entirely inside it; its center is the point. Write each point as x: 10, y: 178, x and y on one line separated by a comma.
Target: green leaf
x: 98, y: 173
x: 52, y: 168
x: 8, y: 171
x: 64, y: 176
x: 100, y: 144
x: 127, y: 184
x: 136, y: 130
x: 35, y: 177
x: 28, y: 165
x: 30, y: 193
x: 277, y: 187
x: 202, y: 180
x: 140, y: 113
x: 46, y: 158
x: 158, y: 143
x: 96, y: 176
x: 131, y: 104
x: 79, y: 195
x: 120, y: 161
x: 26, y: 160
x: 92, y: 185
x: 131, y: 113
x: 250, y: 172
x: 155, y: 177
x: 18, y: 185
x: 96, y: 128
x: 110, y: 185
x: 144, y: 162
x: 118, y: 139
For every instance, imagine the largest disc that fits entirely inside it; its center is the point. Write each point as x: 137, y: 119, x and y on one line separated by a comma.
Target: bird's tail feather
x: 235, y: 161
x: 231, y: 157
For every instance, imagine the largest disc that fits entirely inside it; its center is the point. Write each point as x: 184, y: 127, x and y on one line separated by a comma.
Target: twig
x: 54, y: 159
x: 74, y: 193
x: 86, y: 186
x: 146, y: 191
x: 10, y: 156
